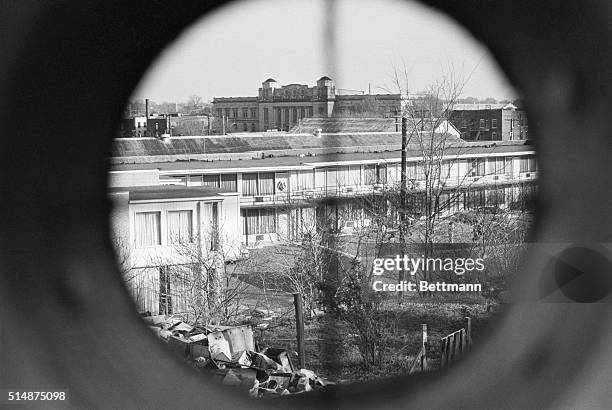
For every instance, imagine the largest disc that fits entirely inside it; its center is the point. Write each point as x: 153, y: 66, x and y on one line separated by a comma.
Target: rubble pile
x: 229, y: 354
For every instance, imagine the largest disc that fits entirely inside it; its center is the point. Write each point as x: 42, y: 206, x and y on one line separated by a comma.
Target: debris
x: 178, y: 346
x: 228, y: 353
x: 281, y: 357
x: 154, y: 320
x: 181, y: 327
x: 197, y: 338
x: 219, y: 347
x: 197, y: 350
x: 241, y: 358
x: 164, y: 334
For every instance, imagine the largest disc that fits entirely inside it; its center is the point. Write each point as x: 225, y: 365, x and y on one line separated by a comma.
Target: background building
x: 490, y: 122
x: 282, y: 107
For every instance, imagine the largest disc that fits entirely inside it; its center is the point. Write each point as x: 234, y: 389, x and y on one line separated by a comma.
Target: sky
x: 231, y: 52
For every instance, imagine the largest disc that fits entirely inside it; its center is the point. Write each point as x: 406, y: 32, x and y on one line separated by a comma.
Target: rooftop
x: 346, y: 125
x: 290, y: 162
x: 478, y: 107
x: 259, y: 142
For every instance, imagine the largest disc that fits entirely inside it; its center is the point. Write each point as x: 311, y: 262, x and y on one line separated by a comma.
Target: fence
x: 419, y: 363
x: 453, y: 346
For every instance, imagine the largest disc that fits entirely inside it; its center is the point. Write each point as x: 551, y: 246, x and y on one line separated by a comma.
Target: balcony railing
x: 360, y: 190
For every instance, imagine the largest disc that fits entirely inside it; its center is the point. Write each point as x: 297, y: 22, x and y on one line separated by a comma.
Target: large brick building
x: 490, y: 122
x: 282, y: 107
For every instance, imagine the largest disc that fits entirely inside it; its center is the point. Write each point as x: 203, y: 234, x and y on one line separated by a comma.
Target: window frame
x: 158, y: 233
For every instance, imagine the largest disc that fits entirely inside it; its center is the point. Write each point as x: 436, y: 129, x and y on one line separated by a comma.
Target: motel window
x: 266, y: 183
x: 250, y: 221
x: 305, y: 180
x: 147, y: 229
x: 478, y: 167
x: 331, y: 178
x: 381, y: 174
x: 267, y: 220
x: 229, y: 182
x: 214, y: 240
x: 180, y: 226
x: 195, y: 180
x: 445, y: 170
x: 354, y: 175
x: 369, y: 174
x: 532, y: 163
x: 259, y: 221
x: 420, y: 171
x: 411, y: 171
x: 393, y: 173
x: 249, y: 184
x: 475, y: 199
x: 342, y: 176
x: 528, y: 164
x: 210, y: 225
x: 211, y: 180
x: 509, y: 168
x: 495, y: 166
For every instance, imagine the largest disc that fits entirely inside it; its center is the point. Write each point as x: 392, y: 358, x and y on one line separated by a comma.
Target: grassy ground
x: 331, y: 350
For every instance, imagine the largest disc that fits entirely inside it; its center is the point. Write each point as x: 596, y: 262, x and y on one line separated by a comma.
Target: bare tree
x: 194, y: 103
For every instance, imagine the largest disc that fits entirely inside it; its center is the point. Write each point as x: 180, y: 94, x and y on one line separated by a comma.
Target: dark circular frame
x: 68, y: 322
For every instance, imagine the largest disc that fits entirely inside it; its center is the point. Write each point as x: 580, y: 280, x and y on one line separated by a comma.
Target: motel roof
x: 252, y: 142
x: 294, y: 161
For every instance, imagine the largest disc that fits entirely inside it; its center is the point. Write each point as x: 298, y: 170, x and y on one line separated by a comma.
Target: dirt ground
x: 331, y: 350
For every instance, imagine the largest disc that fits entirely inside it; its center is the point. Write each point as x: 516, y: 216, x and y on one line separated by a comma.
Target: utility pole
x: 403, y: 193
x: 403, y: 181
x: 299, y: 324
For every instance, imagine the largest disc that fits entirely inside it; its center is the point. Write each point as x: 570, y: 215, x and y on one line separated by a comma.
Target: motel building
x: 226, y: 194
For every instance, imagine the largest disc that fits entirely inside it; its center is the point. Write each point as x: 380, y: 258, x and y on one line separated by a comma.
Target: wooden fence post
x: 424, y: 347
x: 468, y: 330
x: 443, y: 352
x: 299, y: 325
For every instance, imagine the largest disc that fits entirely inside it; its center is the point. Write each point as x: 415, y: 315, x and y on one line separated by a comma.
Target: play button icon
x: 578, y: 273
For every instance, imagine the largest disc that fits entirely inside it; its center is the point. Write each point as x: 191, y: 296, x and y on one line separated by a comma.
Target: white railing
x: 357, y: 190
